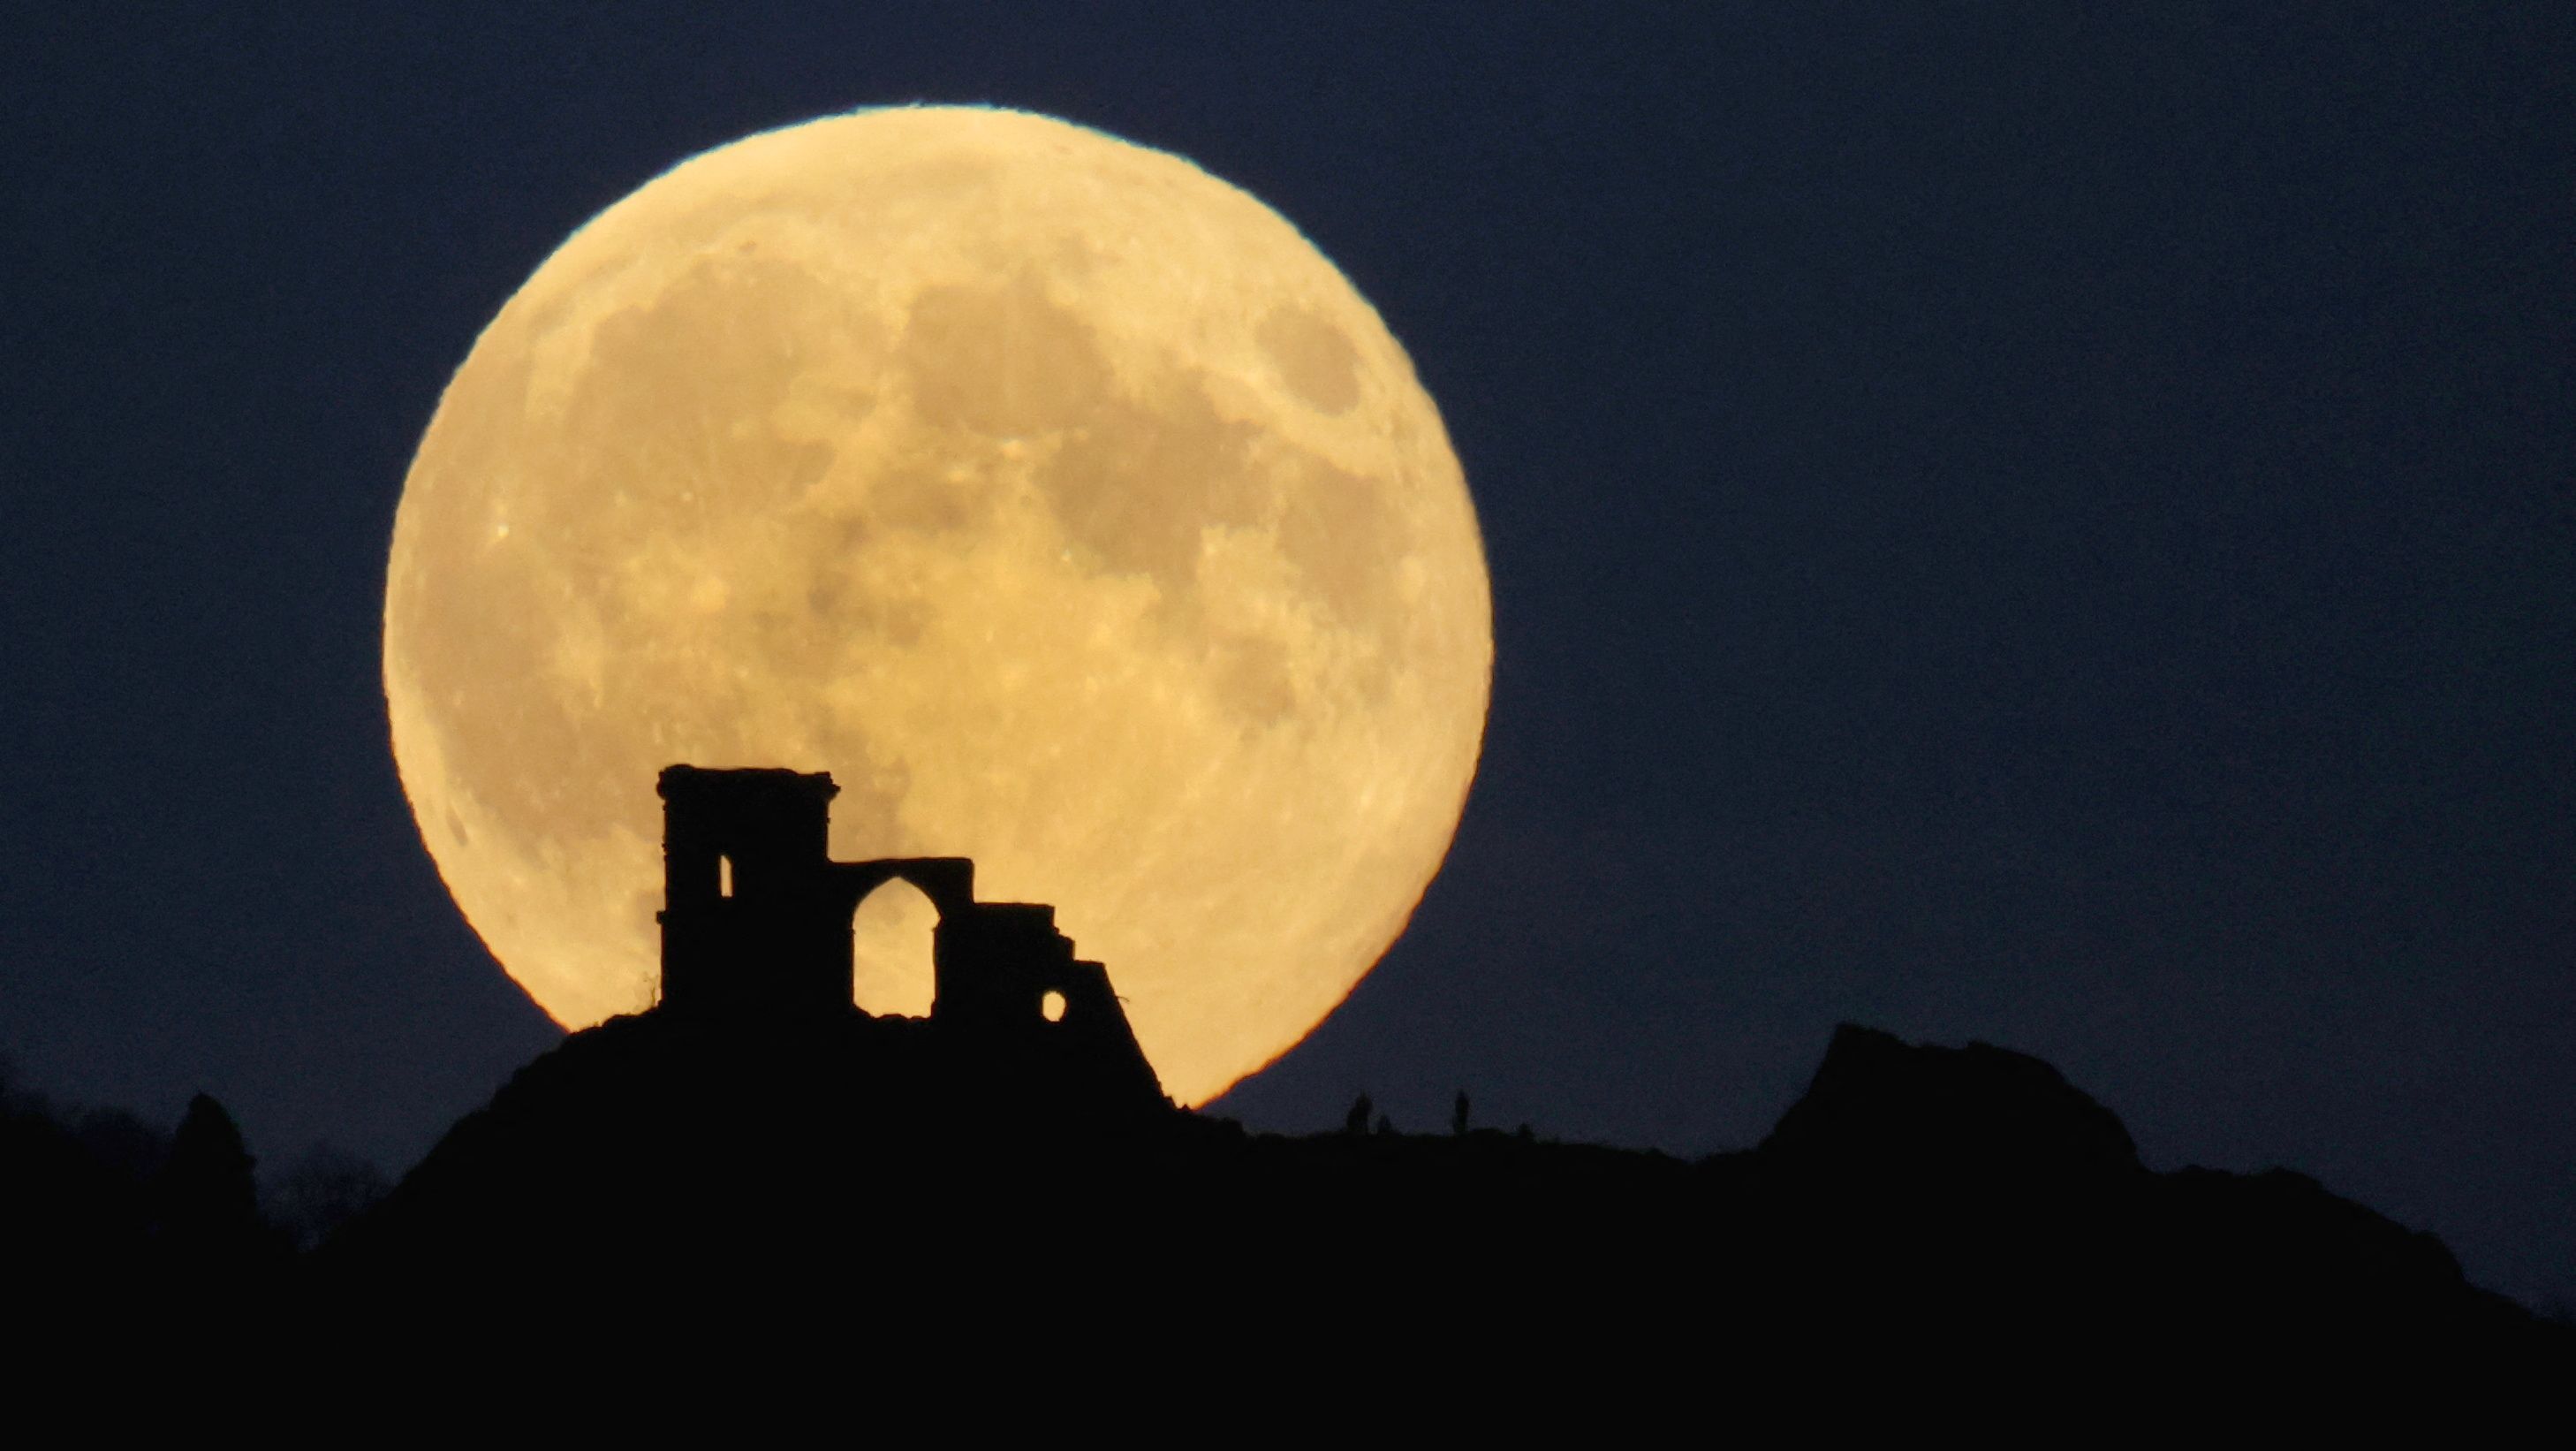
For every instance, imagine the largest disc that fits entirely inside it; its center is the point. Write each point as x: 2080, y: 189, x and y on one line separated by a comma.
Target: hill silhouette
x: 1913, y: 1189
x: 1003, y: 1185
x: 663, y: 1173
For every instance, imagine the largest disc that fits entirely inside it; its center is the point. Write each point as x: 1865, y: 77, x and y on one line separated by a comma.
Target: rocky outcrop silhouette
x: 1975, y: 1192
x: 1879, y: 1106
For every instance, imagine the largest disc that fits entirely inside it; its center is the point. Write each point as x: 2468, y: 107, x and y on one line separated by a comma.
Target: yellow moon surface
x: 1060, y: 499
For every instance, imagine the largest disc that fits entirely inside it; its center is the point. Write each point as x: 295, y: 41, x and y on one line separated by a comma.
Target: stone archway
x: 895, y: 908
x: 948, y: 881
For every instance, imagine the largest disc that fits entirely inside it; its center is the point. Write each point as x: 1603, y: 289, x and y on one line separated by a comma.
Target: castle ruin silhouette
x: 756, y: 929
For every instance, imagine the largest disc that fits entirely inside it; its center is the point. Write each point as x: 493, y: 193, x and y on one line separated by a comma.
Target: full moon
x: 1060, y: 499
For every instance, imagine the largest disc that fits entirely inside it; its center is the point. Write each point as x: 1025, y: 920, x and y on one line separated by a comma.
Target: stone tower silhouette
x: 756, y: 925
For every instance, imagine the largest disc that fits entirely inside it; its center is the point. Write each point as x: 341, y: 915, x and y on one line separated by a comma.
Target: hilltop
x: 1913, y: 1190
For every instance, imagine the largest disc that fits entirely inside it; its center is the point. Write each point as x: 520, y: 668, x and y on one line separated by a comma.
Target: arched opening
x: 1051, y: 1007
x: 890, y: 947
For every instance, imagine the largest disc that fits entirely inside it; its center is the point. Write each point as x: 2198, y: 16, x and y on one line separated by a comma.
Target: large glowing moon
x: 1058, y: 498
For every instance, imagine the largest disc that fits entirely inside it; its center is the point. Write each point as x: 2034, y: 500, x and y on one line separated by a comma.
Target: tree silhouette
x: 207, y: 1202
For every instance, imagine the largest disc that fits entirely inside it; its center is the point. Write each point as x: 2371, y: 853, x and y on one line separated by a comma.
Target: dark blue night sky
x: 2051, y: 525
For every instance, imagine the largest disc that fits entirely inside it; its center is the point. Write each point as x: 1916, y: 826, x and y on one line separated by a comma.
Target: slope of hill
x: 1916, y: 1196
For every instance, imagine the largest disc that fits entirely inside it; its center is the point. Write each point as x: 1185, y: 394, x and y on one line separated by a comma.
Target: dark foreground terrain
x: 865, y: 1177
